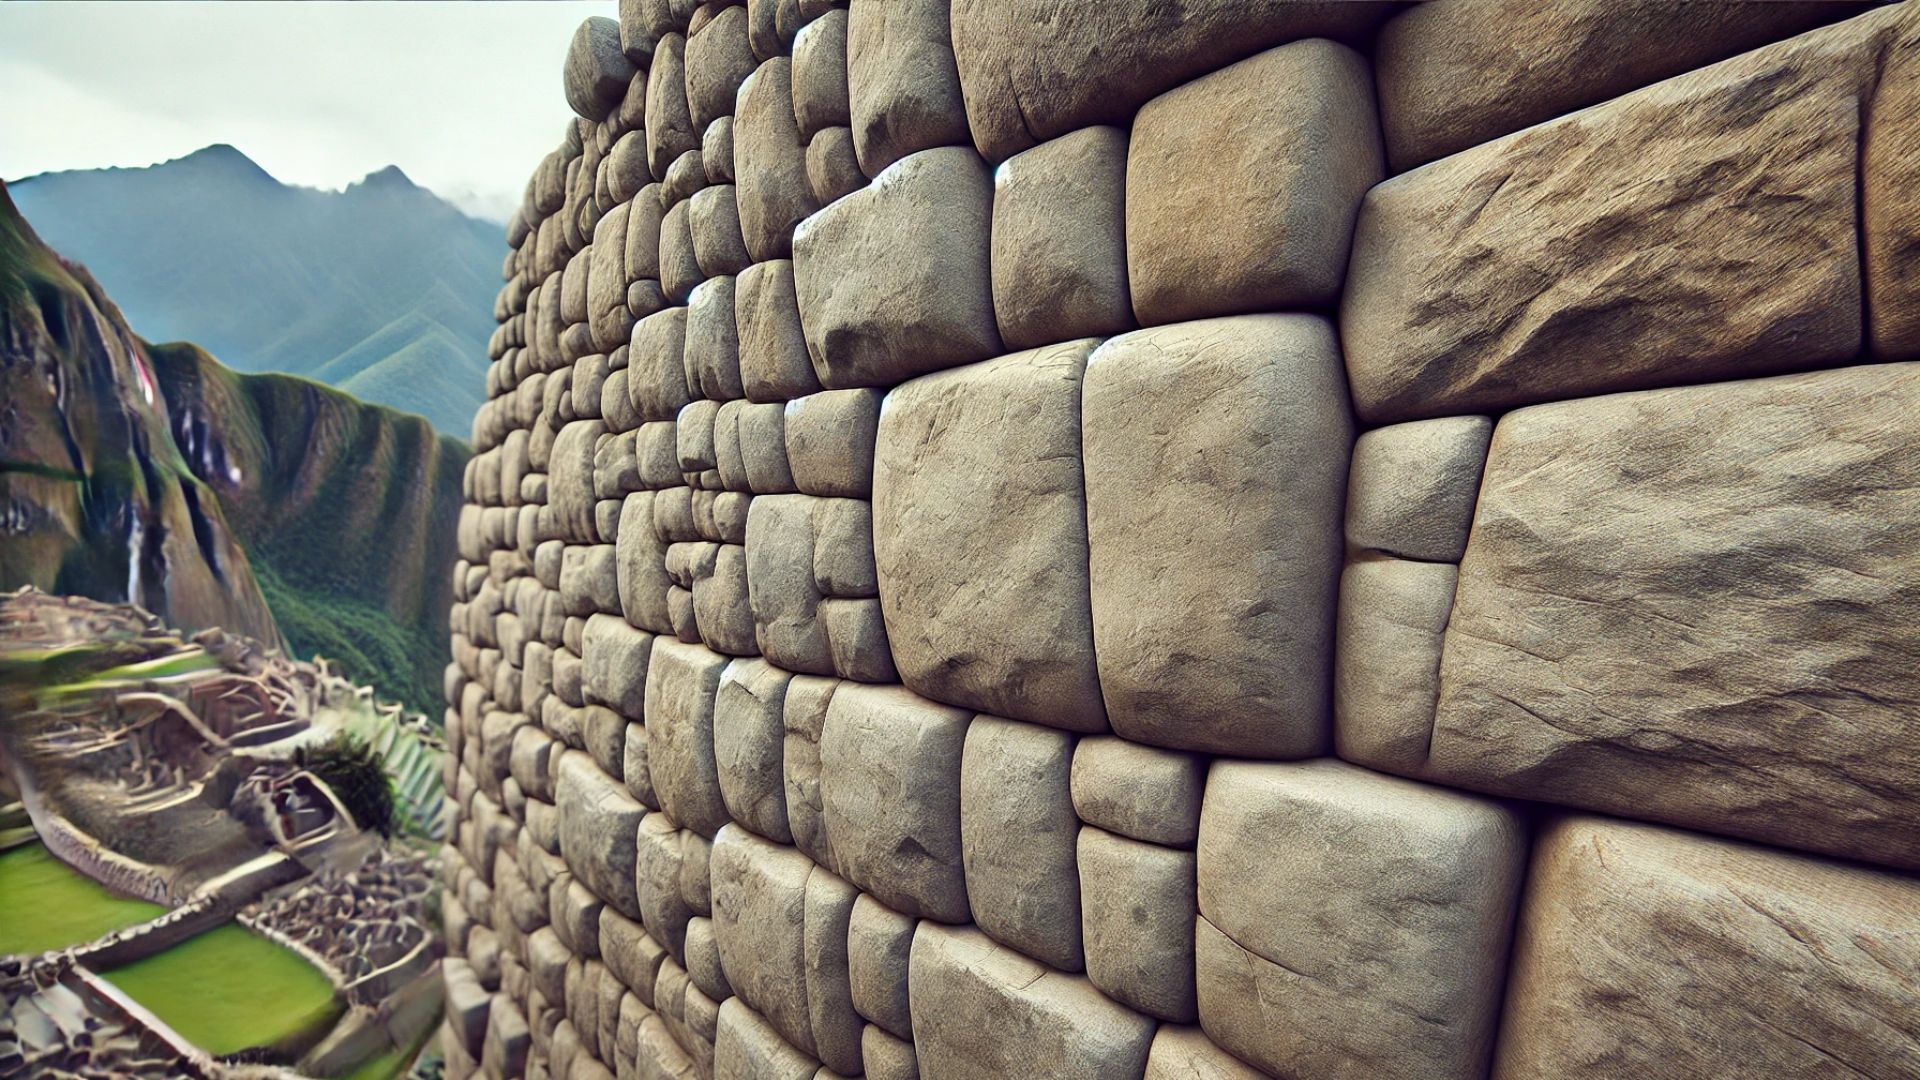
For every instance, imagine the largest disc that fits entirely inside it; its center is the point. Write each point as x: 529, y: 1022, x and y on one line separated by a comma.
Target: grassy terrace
x: 229, y: 989
x: 50, y: 905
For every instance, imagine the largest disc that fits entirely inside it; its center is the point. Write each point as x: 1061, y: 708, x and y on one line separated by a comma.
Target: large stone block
x: 893, y: 280
x: 1645, y: 951
x: 770, y: 162
x: 597, y: 71
x: 980, y: 538
x: 879, y: 947
x: 890, y: 798
x: 1543, y: 265
x: 804, y: 716
x: 1017, y: 835
x: 1352, y: 924
x: 759, y: 913
x: 1137, y: 903
x: 1059, y: 240
x: 1033, y: 70
x: 970, y: 995
x: 820, y: 74
x: 682, y: 681
x: 615, y: 658
x: 1455, y: 75
x: 1216, y: 465
x: 1700, y: 606
x: 746, y: 1047
x: 774, y: 364
x: 1890, y: 197
x: 1242, y: 186
x: 661, y: 856
x: 780, y: 585
x: 718, y: 60
x: 749, y: 737
x: 1139, y: 791
x: 1185, y: 1053
x: 830, y: 438
x: 902, y: 85
x: 670, y: 130
x: 598, y: 822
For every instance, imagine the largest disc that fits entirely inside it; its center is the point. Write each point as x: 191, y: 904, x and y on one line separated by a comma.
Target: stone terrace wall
x: 1030, y: 538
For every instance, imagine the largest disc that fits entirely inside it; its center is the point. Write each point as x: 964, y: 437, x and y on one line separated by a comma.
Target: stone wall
x: 1028, y: 538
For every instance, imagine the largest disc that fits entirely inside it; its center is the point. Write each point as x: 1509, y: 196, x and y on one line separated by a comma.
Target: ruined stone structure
x: 1038, y: 538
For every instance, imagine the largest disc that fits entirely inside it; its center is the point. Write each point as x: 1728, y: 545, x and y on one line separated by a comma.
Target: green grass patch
x: 366, y: 644
x: 50, y: 905
x: 230, y: 989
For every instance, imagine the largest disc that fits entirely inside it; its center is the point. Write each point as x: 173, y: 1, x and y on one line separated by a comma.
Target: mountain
x: 268, y: 504
x: 384, y: 289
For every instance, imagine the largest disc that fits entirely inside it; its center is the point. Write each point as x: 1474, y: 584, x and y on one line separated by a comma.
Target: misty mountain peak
x: 390, y: 178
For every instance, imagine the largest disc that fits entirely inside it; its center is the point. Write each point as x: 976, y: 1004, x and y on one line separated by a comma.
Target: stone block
x: 1033, y: 70
x: 890, y: 797
x: 763, y: 450
x: 1386, y: 680
x: 1653, y: 952
x: 843, y: 549
x: 857, y: 640
x: 1542, y: 265
x: 893, y: 280
x: 719, y: 59
x: 1352, y: 924
x: 1411, y: 489
x: 597, y: 71
x: 696, y: 882
x: 682, y: 681
x: 749, y: 737
x: 716, y: 150
x: 630, y: 952
x: 615, y: 658
x: 1137, y: 905
x: 598, y: 820
x: 879, y: 946
x: 830, y: 1012
x: 820, y: 74
x: 804, y: 716
x: 885, y: 1057
x: 748, y: 1048
x: 1017, y: 837
x: 1889, y: 208
x: 1265, y: 463
x: 1138, y: 791
x: 979, y: 535
x: 902, y: 85
x: 1700, y: 606
x: 1242, y: 185
x: 665, y: 913
x: 714, y: 221
x: 703, y: 960
x: 679, y: 259
x: 721, y: 603
x: 770, y: 162
x: 643, y: 226
x: 1059, y: 251
x: 780, y: 586
x: 640, y: 569
x: 833, y: 168
x: 1185, y: 1053
x: 774, y: 365
x: 970, y: 993
x: 670, y: 130
x: 830, y: 441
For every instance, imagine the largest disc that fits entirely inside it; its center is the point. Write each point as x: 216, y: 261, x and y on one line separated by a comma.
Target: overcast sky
x: 465, y: 97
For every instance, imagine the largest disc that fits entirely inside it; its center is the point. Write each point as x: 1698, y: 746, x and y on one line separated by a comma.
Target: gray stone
x: 679, y: 259
x: 644, y: 218
x: 774, y: 365
x: 903, y: 87
x: 890, y: 798
x: 1137, y: 903
x: 843, y: 549
x: 719, y: 59
x: 770, y: 162
x: 717, y: 244
x: 893, y: 280
x: 657, y: 367
x: 660, y: 855
x: 763, y: 450
x: 607, y: 313
x: 803, y: 718
x: 670, y: 130
x: 597, y: 71
x: 615, y: 655
x: 748, y: 1048
x: 1638, y: 946
x: 716, y: 151
x: 1266, y: 460
x: 598, y: 820
x: 1242, y: 185
x: 833, y: 167
x: 830, y: 1012
x: 1017, y: 838
x: 1059, y: 240
x: 857, y: 640
x: 820, y: 74
x: 703, y: 960
x: 1889, y: 207
x: 1138, y: 791
x: 1700, y: 606
x: 830, y: 440
x: 969, y: 994
x: 1386, y: 682
x: 630, y: 952
x: 781, y: 591
x: 1412, y: 487
x: 979, y: 535
x: 682, y: 680
x: 887, y: 1058
x: 879, y: 946
x: 1352, y: 924
x: 749, y: 737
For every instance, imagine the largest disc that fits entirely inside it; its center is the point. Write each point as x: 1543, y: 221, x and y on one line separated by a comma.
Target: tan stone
x: 598, y: 820
x: 682, y: 680
x: 670, y: 130
x: 774, y: 365
x: 1137, y: 904
x: 1352, y: 924
x: 830, y: 1012
x: 857, y: 639
x: 803, y: 717
x: 903, y: 88
x: 1699, y: 606
x: 1242, y: 186
x: 879, y: 946
x: 716, y: 150
x: 656, y: 363
x: 1185, y: 1053
x: 1033, y: 70
x: 780, y: 587
x: 1059, y: 250
x: 1411, y: 489
x: 833, y: 168
x: 679, y: 259
x: 1386, y: 681
x: 1543, y: 265
x: 1652, y: 952
x: 615, y: 655
x: 893, y: 279
x: 885, y: 1057
x: 748, y: 1048
x: 979, y: 536
x: 660, y: 856
x: 830, y: 439
x: 749, y: 737
x: 1017, y: 836
x: 1138, y: 791
x: 719, y: 59
x: 770, y: 162
x: 1264, y: 464
x: 969, y: 994
x: 597, y: 71
x: 714, y: 219
x: 820, y: 74
x: 1889, y: 206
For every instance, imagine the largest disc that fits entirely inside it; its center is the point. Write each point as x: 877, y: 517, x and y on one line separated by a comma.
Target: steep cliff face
x: 95, y: 496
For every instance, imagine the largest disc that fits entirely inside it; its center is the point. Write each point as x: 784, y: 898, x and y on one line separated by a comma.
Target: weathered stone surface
x: 857, y: 640
x: 643, y: 229
x: 969, y: 994
x: 820, y: 74
x: 664, y: 911
x: 803, y: 718
x: 893, y: 280
x: 630, y: 952
x: 890, y: 798
x: 749, y: 742
x: 770, y: 162
x: 1137, y: 903
x: 722, y: 605
x: 703, y: 960
x: 716, y: 150
x: 717, y: 244
x: 879, y: 945
x: 830, y: 1012
x: 686, y: 177
x: 598, y: 821
x: 763, y: 450
x: 843, y: 549
x: 1543, y: 265
x: 1265, y: 463
x: 1059, y: 250
x: 1638, y: 948
x: 748, y: 1048
x: 656, y: 365
x: 615, y: 655
x: 833, y: 168
x: 597, y: 71
x: 979, y: 534
x: 1242, y: 186
x: 1017, y: 836
x: 781, y: 592
x: 903, y: 87
x: 1411, y: 489
x: 607, y: 313
x: 719, y: 59
x: 1386, y: 682
x: 1889, y: 205
x: 670, y: 130
x: 1033, y: 70
x: 1700, y: 606
x: 885, y: 1057
x: 679, y: 259
x: 1185, y: 1053
x: 1138, y: 791
x: 774, y: 365
x: 1455, y: 75
x: 830, y: 440
x: 682, y: 680
x: 1352, y: 924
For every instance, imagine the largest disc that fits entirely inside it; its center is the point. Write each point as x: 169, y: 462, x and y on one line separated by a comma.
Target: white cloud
x: 465, y: 97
